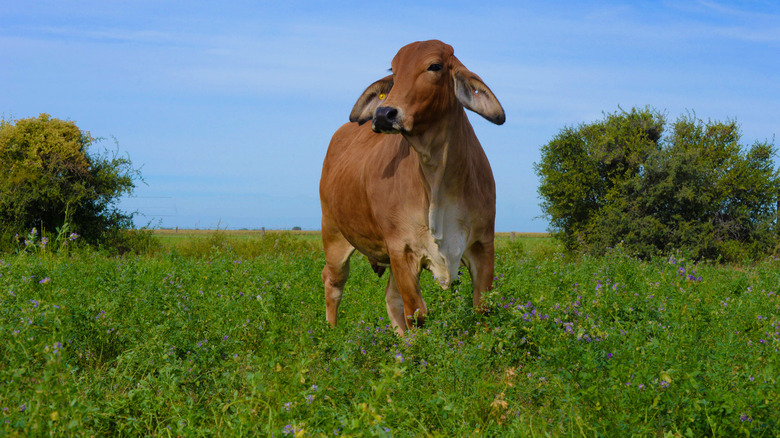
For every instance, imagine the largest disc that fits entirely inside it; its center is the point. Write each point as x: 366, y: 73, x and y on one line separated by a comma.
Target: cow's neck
x: 443, y: 162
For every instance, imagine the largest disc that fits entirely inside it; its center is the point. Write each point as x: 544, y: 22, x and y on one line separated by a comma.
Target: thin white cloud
x: 102, y: 34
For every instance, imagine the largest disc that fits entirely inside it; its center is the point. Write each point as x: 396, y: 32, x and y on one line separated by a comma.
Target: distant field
x: 174, y: 236
x: 255, y: 233
x: 168, y: 232
x: 185, y: 238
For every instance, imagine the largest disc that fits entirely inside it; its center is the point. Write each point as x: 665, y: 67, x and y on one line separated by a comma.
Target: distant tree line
x: 631, y: 179
x: 52, y: 180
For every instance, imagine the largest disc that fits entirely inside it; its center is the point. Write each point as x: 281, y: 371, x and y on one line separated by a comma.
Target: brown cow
x: 422, y: 199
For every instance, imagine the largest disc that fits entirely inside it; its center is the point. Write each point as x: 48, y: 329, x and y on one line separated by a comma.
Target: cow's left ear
x: 476, y: 96
x: 368, y: 102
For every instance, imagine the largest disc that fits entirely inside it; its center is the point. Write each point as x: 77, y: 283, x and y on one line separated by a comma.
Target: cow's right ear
x: 368, y: 102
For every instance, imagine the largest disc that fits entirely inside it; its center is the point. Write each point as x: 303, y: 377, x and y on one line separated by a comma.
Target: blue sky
x: 228, y: 107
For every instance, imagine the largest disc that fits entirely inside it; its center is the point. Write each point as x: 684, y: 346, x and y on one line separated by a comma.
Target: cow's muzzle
x: 386, y: 120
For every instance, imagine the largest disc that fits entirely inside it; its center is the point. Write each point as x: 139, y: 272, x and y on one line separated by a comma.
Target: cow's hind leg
x: 335, y: 273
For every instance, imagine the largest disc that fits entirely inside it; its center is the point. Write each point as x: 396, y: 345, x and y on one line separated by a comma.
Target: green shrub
x: 697, y: 189
x: 50, y: 180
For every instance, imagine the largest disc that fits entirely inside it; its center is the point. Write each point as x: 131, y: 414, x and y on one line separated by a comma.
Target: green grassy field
x: 223, y: 334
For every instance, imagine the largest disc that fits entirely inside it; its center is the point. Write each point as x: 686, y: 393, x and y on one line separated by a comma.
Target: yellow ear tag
x: 382, y: 96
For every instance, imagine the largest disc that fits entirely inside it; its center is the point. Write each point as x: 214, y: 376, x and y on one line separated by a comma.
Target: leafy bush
x: 49, y: 179
x: 697, y: 189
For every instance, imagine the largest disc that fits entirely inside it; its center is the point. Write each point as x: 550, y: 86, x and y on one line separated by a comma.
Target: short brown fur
x: 418, y: 194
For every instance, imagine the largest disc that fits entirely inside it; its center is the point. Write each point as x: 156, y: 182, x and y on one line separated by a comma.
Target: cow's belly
x: 442, y: 258
x: 367, y: 243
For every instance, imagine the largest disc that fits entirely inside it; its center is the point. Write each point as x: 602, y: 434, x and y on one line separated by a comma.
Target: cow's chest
x: 445, y: 242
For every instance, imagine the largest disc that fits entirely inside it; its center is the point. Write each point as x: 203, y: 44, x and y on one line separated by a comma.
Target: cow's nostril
x: 387, y: 113
x: 385, y: 119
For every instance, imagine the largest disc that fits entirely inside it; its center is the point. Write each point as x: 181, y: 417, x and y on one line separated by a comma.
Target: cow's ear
x: 368, y: 102
x: 476, y: 96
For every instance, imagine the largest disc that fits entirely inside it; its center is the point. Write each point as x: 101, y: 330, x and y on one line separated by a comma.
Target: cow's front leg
x: 480, y: 259
x: 395, y: 305
x: 405, y: 267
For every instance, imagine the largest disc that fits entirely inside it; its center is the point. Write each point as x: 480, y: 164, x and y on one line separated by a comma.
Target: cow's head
x: 428, y: 83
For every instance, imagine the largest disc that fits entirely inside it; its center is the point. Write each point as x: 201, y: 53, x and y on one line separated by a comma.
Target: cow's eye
x: 434, y: 67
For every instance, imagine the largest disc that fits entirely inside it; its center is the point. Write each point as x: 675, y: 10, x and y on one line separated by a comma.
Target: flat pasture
x: 170, y: 234
x: 223, y: 333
